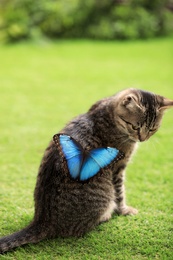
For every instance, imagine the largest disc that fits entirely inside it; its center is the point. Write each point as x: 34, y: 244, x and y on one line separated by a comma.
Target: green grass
x: 44, y: 86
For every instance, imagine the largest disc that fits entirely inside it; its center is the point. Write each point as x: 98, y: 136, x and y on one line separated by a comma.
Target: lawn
x: 42, y: 86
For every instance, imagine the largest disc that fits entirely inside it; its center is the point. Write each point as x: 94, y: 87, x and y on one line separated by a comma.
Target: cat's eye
x: 152, y: 130
x: 135, y: 127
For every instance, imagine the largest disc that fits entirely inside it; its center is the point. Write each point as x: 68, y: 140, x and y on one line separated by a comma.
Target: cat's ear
x: 165, y: 103
x: 129, y: 99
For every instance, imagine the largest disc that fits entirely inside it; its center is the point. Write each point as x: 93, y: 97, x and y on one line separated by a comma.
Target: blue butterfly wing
x: 73, y: 154
x: 97, y: 159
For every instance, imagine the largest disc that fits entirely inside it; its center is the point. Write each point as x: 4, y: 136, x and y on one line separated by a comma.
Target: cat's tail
x: 30, y: 234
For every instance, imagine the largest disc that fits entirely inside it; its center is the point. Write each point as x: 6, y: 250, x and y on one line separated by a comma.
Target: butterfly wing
x: 85, y: 164
x: 73, y: 154
x: 97, y: 159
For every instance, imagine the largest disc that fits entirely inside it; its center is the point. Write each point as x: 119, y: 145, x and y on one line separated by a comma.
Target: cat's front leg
x: 122, y: 208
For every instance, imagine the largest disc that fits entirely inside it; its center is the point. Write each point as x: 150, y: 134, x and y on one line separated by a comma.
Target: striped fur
x: 66, y: 207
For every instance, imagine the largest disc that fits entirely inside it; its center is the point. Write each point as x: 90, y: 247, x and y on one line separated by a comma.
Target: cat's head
x: 139, y: 113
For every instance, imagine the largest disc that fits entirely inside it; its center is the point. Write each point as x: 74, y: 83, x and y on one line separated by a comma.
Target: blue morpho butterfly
x: 84, y: 164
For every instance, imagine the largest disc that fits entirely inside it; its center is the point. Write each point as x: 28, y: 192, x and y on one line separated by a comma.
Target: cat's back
x: 71, y: 207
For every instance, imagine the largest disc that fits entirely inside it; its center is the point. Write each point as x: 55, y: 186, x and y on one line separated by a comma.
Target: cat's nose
x: 142, y: 136
x: 142, y: 139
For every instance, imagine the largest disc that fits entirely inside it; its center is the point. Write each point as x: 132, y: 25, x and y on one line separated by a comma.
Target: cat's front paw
x: 126, y: 210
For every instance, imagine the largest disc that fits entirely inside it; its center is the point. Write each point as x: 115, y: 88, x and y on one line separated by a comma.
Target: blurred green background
x: 47, y: 76
x: 113, y: 19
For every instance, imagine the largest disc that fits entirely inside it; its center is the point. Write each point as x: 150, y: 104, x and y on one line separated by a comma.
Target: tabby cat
x: 69, y: 207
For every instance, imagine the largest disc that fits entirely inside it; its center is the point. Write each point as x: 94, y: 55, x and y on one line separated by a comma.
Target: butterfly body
x: 84, y: 164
